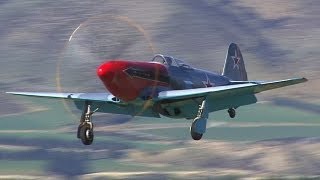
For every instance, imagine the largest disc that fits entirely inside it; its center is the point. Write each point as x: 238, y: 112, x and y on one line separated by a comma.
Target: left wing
x: 106, y: 102
x: 252, y: 87
x: 100, y: 97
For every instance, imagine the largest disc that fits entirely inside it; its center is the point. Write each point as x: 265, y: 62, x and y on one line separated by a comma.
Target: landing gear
x: 86, y: 133
x: 198, y: 126
x: 232, y: 112
x: 85, y: 129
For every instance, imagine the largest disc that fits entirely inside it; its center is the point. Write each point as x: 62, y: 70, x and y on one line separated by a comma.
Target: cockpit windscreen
x: 170, y: 61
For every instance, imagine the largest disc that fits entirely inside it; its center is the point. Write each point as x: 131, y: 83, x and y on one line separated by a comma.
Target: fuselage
x: 130, y: 80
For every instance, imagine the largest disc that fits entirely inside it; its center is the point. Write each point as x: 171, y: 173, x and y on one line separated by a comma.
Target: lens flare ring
x: 124, y: 19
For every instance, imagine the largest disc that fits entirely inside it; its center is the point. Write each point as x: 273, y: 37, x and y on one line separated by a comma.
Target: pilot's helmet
x: 169, y: 61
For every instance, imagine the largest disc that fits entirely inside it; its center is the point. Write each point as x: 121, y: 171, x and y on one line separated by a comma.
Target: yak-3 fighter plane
x: 169, y: 87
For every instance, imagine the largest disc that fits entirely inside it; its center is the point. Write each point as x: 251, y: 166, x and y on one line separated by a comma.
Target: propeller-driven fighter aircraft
x: 169, y: 87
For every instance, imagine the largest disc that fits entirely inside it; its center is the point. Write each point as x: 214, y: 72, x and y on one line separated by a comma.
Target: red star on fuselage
x: 207, y: 83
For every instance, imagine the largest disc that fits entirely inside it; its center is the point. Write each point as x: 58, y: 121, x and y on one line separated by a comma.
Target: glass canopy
x: 169, y: 61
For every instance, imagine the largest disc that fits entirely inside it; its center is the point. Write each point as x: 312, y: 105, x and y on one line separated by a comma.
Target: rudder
x: 234, y: 67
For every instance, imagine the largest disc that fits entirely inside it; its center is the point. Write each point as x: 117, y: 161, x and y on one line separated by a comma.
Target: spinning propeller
x: 92, y: 42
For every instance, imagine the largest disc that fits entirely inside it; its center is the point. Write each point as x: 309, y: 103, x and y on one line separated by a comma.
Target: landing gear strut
x: 232, y: 112
x: 85, y: 128
x: 198, y: 126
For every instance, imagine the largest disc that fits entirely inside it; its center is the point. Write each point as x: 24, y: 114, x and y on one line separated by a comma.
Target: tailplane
x: 234, y: 65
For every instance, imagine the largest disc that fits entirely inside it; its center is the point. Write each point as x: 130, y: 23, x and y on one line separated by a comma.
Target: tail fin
x: 234, y: 65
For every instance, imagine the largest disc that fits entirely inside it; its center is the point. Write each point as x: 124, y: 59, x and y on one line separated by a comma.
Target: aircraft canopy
x: 169, y: 61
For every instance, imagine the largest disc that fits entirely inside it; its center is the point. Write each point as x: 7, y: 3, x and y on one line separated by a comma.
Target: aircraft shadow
x: 70, y: 161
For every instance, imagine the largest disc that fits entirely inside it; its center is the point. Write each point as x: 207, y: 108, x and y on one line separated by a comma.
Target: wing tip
x: 19, y: 93
x: 10, y: 92
x: 16, y: 93
x: 301, y: 80
x: 304, y: 79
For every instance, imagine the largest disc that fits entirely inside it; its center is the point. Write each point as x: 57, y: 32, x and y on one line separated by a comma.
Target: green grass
x: 241, y: 133
x: 257, y: 113
x: 22, y: 167
x: 113, y: 165
x: 268, y: 113
x: 55, y: 117
x: 39, y: 135
x: 109, y: 165
x: 58, y: 117
x: 251, y: 113
x: 34, y: 121
x: 151, y: 146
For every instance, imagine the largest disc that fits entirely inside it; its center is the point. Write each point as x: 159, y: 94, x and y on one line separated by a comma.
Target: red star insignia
x: 236, y: 59
x: 207, y: 83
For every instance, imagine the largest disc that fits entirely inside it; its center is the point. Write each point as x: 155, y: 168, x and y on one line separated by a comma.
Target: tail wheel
x: 232, y: 112
x: 86, y: 134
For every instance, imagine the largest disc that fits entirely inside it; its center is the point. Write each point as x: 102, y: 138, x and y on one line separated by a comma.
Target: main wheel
x: 195, y: 136
x: 232, y: 112
x: 86, y: 134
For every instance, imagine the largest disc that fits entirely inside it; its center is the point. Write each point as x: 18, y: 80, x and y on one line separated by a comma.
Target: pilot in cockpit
x: 168, y: 61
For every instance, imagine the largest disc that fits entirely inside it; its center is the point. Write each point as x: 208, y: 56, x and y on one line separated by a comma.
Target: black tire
x: 232, y: 112
x: 86, y: 134
x: 196, y: 136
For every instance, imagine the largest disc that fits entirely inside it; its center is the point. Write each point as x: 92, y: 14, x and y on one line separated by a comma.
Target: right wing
x: 228, y: 90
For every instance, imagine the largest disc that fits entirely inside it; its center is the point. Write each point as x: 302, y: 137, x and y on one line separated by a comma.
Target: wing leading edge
x: 228, y: 90
x: 99, y: 97
x: 218, y: 92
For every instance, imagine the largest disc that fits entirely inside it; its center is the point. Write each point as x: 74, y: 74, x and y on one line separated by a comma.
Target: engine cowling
x: 126, y: 79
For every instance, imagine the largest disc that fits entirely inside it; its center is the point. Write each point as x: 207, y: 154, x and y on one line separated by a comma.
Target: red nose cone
x: 105, y: 71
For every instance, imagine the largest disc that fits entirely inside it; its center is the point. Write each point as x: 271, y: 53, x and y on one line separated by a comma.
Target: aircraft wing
x: 106, y: 102
x: 102, y: 97
x: 228, y: 90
